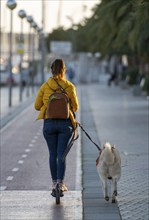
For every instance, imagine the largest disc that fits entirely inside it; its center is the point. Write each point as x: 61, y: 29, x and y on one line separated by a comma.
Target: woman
x: 57, y: 132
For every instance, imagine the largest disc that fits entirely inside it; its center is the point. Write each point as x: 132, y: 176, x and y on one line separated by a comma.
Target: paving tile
x: 94, y: 205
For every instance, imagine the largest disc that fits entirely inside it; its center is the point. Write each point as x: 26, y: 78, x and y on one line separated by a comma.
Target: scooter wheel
x: 58, y: 194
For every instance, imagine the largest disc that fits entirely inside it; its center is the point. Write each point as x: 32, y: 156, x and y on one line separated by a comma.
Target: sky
x: 69, y: 11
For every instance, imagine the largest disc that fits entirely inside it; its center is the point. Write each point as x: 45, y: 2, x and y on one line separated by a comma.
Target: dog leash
x: 73, y: 139
x: 88, y: 136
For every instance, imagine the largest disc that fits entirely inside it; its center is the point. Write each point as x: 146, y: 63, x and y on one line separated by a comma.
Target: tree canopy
x: 116, y: 26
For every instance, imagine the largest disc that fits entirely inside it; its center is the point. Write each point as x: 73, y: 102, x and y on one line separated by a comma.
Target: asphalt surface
x: 107, y: 114
x: 25, y: 176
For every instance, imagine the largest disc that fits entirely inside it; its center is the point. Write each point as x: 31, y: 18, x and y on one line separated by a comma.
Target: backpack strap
x: 60, y: 86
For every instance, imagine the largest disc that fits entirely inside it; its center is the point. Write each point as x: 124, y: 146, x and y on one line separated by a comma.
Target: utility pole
x: 43, y: 14
x: 84, y: 8
x: 11, y: 4
x: 59, y: 14
x: 43, y: 42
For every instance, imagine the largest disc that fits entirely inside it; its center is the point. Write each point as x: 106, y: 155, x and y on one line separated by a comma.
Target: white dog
x: 109, y: 167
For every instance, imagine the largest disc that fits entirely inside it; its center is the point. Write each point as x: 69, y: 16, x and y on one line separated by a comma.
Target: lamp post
x: 30, y: 20
x: 72, y: 33
x: 34, y: 26
x: 42, y: 56
x: 11, y: 4
x: 43, y: 42
x: 42, y: 51
x: 39, y: 31
x: 22, y: 15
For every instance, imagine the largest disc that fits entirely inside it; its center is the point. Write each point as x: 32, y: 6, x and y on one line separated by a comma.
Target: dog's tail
x: 107, y: 154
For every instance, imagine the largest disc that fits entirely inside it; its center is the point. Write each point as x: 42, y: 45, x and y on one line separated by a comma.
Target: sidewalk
x: 95, y: 207
x: 115, y: 115
x: 7, y: 114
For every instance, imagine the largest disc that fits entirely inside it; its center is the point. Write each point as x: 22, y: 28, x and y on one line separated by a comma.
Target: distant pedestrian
x: 23, y: 84
x: 57, y: 132
x: 112, y: 78
x: 115, y: 70
x: 71, y: 74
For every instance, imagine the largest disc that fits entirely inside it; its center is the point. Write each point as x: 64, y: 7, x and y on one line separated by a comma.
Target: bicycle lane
x: 25, y: 178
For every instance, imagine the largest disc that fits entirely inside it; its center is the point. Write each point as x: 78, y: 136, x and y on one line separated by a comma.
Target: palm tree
x: 139, y: 36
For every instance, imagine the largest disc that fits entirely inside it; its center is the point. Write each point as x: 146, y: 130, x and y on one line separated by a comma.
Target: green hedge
x: 146, y: 85
x: 131, y: 75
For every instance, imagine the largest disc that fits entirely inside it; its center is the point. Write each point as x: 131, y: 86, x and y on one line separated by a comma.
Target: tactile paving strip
x: 133, y: 187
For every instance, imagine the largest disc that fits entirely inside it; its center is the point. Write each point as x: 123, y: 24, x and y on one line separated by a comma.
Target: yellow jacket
x: 44, y: 92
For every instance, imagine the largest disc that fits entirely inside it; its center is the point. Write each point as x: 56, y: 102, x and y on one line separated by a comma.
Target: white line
x: 2, y: 188
x: 9, y: 178
x: 33, y: 141
x: 38, y: 133
x: 125, y: 152
x: 21, y: 161
x: 30, y: 145
x: 15, y: 169
x: 24, y: 155
x: 35, y: 137
x: 27, y: 150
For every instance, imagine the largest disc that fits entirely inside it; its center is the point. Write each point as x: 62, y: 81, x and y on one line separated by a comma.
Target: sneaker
x: 63, y: 187
x: 53, y: 193
x: 54, y: 185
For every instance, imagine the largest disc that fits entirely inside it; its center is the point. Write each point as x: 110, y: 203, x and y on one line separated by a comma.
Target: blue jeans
x: 57, y: 133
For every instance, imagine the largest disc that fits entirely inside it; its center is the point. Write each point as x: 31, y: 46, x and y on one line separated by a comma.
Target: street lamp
x: 72, y: 33
x: 38, y: 49
x: 42, y: 50
x: 42, y: 56
x: 38, y: 29
x: 30, y: 20
x: 34, y: 26
x: 21, y: 14
x: 11, y: 4
x: 43, y: 42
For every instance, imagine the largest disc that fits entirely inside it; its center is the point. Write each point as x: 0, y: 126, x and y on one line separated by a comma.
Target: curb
x: 17, y: 110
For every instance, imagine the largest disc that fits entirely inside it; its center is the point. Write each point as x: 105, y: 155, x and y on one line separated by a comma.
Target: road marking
x: 24, y: 155
x: 21, y: 161
x: 33, y: 141
x: 2, y: 188
x: 30, y: 145
x: 125, y: 152
x: 35, y: 137
x: 38, y: 133
x: 27, y: 150
x: 9, y: 178
x: 15, y: 169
